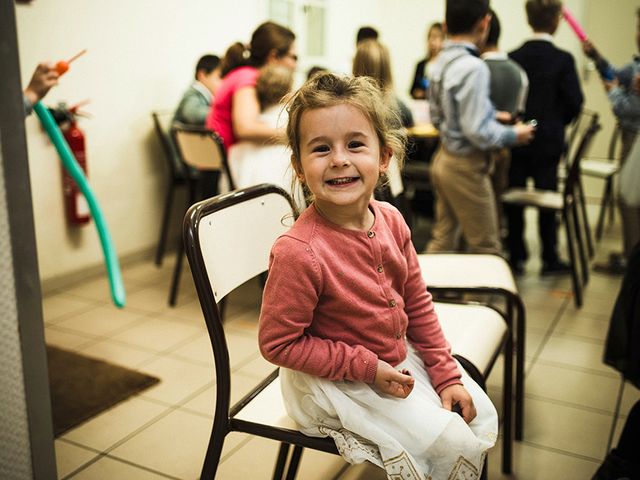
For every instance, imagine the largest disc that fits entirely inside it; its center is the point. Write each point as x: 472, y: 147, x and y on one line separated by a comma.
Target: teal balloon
x: 71, y: 165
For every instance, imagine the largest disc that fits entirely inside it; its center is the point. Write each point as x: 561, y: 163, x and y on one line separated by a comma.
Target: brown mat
x: 82, y: 387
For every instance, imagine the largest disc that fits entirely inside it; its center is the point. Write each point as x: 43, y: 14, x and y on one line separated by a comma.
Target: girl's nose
x: 340, y: 158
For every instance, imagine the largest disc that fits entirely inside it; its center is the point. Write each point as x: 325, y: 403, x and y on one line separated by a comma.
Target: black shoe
x: 557, y: 267
x: 517, y: 267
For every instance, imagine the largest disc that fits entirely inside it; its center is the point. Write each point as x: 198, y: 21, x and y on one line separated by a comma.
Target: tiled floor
x: 163, y: 432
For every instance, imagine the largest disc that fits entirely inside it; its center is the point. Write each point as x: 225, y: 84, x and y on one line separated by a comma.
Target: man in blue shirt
x: 462, y: 111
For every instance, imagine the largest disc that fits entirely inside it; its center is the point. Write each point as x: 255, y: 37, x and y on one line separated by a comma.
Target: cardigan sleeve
x: 290, y: 296
x: 424, y: 330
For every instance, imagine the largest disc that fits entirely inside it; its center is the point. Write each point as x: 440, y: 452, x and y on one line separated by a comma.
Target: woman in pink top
x: 345, y: 311
x: 235, y: 110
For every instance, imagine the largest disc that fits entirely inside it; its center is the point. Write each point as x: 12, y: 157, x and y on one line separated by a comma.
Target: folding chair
x: 179, y: 176
x: 488, y: 276
x: 228, y: 239
x: 202, y: 150
x: 568, y: 202
x: 606, y: 169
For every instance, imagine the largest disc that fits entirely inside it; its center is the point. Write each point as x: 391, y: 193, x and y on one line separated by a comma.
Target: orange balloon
x: 62, y: 67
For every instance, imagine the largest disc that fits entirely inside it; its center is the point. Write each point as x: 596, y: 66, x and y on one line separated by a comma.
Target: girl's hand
x: 457, y: 394
x: 395, y: 383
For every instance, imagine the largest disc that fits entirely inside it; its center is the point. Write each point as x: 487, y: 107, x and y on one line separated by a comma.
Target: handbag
x: 629, y: 183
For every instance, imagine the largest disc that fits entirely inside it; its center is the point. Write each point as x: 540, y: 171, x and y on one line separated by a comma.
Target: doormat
x: 82, y: 387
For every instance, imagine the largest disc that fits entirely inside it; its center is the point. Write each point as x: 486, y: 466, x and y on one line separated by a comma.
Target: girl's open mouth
x: 342, y: 180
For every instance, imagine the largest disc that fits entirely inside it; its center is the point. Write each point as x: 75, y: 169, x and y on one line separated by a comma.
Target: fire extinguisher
x: 76, y: 207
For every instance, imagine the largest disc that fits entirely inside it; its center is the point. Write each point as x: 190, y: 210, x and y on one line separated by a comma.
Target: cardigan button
x: 392, y: 303
x: 398, y: 336
x: 371, y: 234
x: 380, y: 269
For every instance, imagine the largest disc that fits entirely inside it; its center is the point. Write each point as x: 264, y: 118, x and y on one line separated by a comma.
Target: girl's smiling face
x: 341, y: 158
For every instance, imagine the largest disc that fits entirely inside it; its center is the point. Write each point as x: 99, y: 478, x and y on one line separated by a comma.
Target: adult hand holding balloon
x: 71, y: 165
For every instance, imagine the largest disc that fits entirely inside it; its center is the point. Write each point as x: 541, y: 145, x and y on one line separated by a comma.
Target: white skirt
x: 412, y: 438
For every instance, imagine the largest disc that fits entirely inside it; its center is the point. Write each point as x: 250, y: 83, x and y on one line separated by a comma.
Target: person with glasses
x: 235, y: 112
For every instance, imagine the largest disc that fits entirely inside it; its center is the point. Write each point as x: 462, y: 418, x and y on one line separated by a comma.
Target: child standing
x: 345, y: 310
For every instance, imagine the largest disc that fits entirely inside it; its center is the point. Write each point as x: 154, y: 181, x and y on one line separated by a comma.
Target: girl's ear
x: 297, y: 168
x: 385, y: 158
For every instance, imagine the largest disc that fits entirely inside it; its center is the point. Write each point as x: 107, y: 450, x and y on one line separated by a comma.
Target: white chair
x: 486, y: 275
x: 228, y: 239
x: 202, y: 150
x: 605, y: 169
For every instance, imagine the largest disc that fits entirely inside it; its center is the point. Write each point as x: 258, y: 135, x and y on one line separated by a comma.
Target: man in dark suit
x: 555, y: 99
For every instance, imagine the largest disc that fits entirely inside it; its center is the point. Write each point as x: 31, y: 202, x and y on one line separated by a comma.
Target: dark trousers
x: 544, y: 172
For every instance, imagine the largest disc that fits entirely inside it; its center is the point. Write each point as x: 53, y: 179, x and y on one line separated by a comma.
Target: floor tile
x: 71, y: 457
x: 67, y: 340
x: 580, y: 353
x: 567, y: 429
x: 157, y: 334
x: 573, y: 387
x: 110, y: 468
x: 113, y: 425
x: 101, y: 320
x: 175, y: 445
x: 59, y: 306
x: 178, y: 379
x: 118, y: 353
x: 532, y: 462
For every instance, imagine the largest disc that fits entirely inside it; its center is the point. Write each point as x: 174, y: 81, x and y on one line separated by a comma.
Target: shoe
x: 557, y: 267
x: 517, y: 267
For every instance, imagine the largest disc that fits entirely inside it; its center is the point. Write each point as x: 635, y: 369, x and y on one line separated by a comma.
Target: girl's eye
x: 355, y: 144
x: 320, y: 149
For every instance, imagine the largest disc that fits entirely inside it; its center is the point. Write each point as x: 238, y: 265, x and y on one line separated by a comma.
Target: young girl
x: 345, y: 310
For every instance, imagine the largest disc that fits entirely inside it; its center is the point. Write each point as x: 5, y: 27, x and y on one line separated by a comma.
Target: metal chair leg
x: 520, y: 355
x: 177, y: 271
x: 294, y: 463
x: 604, y: 205
x: 585, y: 220
x: 165, y: 225
x: 283, y: 453
x: 575, y: 279
x: 582, y: 250
x: 212, y: 457
x: 507, y: 402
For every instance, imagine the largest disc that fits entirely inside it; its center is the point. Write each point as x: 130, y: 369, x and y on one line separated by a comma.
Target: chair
x: 568, y: 202
x: 486, y: 275
x: 606, y: 170
x: 228, y: 239
x: 202, y: 150
x: 179, y: 176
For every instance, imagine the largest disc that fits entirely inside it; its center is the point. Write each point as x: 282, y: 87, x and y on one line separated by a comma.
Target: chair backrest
x: 162, y: 126
x: 576, y: 132
x: 586, y: 132
x: 201, y: 148
x: 228, y: 239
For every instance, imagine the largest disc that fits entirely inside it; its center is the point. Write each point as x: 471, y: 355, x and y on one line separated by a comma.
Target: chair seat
x: 444, y: 270
x: 599, y: 168
x: 463, y: 325
x: 535, y: 198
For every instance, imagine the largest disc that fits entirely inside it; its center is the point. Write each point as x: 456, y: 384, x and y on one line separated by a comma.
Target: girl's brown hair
x: 268, y: 37
x: 327, y: 90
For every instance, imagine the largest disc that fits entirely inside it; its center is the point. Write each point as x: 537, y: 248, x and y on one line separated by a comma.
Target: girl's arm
x: 424, y: 330
x: 289, y: 299
x: 246, y: 126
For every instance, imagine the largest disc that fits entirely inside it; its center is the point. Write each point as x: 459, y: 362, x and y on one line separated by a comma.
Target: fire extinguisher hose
x: 71, y: 165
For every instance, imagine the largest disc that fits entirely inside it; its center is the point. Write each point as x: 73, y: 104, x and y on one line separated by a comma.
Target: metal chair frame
x: 216, y: 160
x: 569, y: 205
x: 210, y: 294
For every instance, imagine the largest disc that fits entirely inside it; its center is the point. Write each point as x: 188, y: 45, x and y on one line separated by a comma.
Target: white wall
x: 141, y: 55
